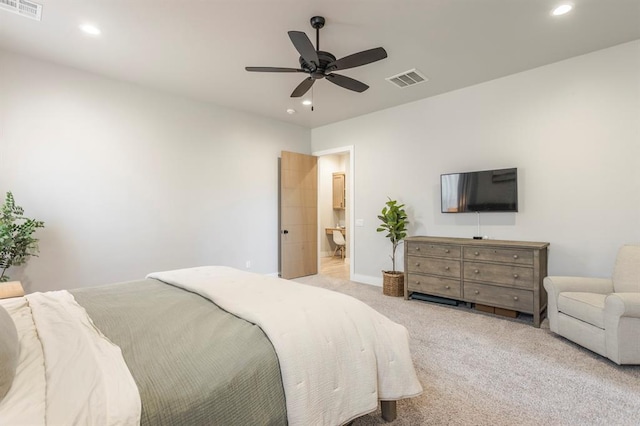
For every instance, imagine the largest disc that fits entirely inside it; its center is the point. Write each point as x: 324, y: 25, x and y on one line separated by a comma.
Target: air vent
x: 25, y: 8
x: 406, y: 79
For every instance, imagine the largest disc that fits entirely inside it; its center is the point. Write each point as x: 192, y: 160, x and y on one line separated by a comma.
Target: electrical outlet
x: 359, y: 222
x: 248, y: 264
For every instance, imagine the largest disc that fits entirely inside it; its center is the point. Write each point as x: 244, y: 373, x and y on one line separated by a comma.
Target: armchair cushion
x: 587, y: 307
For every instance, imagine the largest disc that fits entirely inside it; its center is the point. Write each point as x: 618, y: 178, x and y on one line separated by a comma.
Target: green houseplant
x: 16, y: 236
x: 394, y: 223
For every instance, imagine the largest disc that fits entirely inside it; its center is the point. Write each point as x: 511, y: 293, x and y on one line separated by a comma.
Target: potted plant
x: 16, y: 241
x: 394, y: 223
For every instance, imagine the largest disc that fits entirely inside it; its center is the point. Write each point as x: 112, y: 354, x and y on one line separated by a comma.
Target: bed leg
x: 389, y: 412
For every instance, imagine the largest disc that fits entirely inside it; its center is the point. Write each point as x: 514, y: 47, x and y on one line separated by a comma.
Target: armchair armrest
x: 623, y: 305
x: 557, y: 285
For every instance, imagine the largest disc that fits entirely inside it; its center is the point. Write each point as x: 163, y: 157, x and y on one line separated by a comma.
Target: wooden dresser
x: 502, y: 274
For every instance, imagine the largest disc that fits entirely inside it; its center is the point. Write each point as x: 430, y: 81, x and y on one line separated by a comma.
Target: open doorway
x: 335, y: 212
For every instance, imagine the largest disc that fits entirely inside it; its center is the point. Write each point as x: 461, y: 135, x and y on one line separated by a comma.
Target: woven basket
x: 392, y: 283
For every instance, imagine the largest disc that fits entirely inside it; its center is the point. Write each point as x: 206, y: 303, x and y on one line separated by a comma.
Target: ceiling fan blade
x: 303, y: 87
x: 357, y: 59
x: 303, y: 45
x: 273, y: 69
x: 347, y: 82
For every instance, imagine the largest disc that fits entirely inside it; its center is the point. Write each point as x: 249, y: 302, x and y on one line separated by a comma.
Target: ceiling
x: 198, y: 49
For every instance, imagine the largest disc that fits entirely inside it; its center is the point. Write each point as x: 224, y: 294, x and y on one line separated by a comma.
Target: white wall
x: 130, y: 180
x: 571, y: 128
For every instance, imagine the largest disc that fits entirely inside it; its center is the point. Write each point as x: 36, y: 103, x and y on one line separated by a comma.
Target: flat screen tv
x: 483, y: 191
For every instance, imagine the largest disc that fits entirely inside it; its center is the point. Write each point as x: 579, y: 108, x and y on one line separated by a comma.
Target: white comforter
x: 68, y: 372
x: 337, y: 355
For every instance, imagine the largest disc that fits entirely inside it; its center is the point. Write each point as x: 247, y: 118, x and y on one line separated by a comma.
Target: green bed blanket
x: 193, y: 363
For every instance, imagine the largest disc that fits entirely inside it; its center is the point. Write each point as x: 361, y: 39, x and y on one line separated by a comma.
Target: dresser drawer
x: 438, y: 250
x: 514, y: 276
x: 510, y: 298
x: 519, y: 257
x: 442, y: 267
x: 434, y: 285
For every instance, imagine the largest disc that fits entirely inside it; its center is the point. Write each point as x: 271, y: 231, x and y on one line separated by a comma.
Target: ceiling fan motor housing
x: 318, y: 72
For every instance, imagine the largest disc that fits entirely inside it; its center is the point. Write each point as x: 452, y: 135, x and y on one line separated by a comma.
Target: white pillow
x: 9, y: 350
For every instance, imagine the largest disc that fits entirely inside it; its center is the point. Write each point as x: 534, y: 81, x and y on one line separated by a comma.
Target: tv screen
x: 483, y: 191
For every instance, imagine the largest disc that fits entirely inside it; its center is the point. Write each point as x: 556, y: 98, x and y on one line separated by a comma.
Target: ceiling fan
x: 320, y: 64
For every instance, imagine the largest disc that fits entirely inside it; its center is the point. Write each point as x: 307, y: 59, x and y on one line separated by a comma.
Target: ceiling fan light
x: 562, y: 9
x: 291, y: 111
x: 306, y: 102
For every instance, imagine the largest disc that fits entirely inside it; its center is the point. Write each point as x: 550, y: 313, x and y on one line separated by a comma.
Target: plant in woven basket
x: 16, y: 241
x: 394, y: 223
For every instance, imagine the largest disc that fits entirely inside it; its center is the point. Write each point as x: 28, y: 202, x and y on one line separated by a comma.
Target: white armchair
x: 603, y: 315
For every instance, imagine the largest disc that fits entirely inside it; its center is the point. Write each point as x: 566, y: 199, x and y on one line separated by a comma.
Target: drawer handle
x: 417, y: 263
x: 476, y: 271
x: 446, y: 251
x: 417, y: 248
x: 476, y: 254
x: 446, y: 268
x: 417, y: 282
x: 515, y: 297
x: 476, y: 292
x: 515, y: 276
x: 447, y: 287
x: 515, y: 256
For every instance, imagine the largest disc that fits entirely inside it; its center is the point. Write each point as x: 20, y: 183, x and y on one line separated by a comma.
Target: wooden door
x: 298, y: 215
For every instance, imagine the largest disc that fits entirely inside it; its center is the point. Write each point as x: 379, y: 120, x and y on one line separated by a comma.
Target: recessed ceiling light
x: 291, y: 111
x: 562, y: 9
x: 306, y: 102
x: 90, y: 29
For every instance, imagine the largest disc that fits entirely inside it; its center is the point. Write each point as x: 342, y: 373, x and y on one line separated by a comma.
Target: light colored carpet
x: 478, y: 369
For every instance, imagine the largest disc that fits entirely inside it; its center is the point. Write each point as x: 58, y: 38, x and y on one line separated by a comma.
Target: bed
x: 208, y: 345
